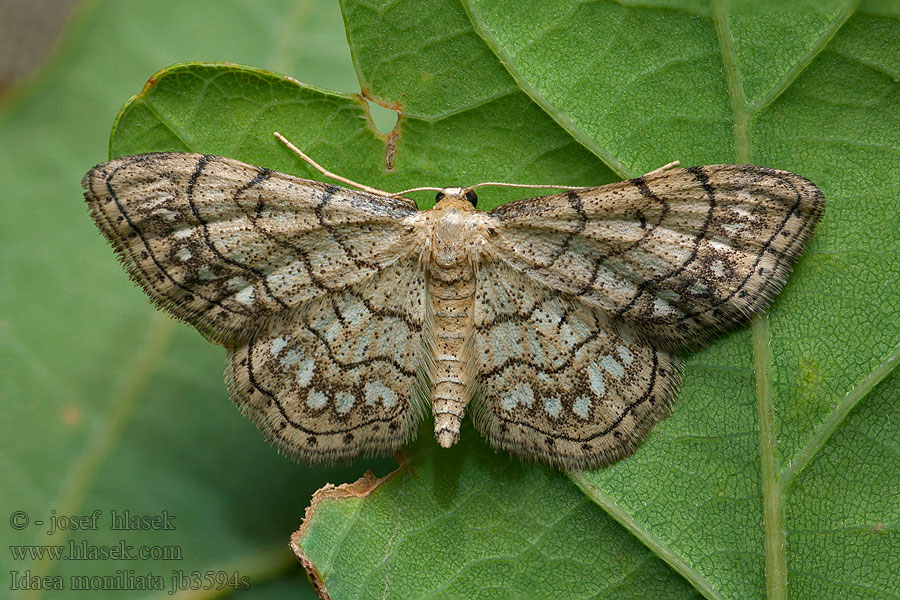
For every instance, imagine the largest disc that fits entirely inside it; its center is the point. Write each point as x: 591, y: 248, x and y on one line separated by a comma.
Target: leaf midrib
x: 772, y: 496
x: 775, y: 481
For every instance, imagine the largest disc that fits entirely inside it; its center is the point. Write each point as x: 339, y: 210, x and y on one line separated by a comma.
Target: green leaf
x: 460, y: 523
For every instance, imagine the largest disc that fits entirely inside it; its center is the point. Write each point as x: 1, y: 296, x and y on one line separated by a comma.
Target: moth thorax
x: 448, y: 242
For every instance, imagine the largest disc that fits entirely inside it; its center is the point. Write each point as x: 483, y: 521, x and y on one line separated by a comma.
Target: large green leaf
x: 463, y: 524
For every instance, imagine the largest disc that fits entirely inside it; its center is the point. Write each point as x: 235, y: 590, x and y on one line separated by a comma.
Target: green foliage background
x: 776, y: 475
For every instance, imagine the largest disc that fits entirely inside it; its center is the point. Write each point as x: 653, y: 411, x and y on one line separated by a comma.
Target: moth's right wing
x: 229, y: 247
x: 555, y: 382
x: 672, y: 256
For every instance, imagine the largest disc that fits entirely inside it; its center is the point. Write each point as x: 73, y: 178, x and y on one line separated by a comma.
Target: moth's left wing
x: 229, y: 246
x: 671, y: 256
x: 557, y: 384
x: 346, y: 375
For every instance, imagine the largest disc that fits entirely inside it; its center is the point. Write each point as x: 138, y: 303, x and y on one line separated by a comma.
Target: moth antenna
x: 665, y: 167
x: 525, y: 185
x: 418, y: 189
x: 328, y: 173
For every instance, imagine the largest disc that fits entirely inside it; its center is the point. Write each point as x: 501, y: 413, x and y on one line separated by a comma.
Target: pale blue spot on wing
x: 332, y: 332
x: 278, y: 344
x: 245, y: 296
x: 582, y: 407
x: 520, y: 394
x: 553, y: 406
x: 625, y: 354
x: 612, y: 367
x: 595, y: 378
x: 305, y: 372
x: 316, y: 399
x: 378, y: 392
x: 236, y: 283
x: 344, y: 402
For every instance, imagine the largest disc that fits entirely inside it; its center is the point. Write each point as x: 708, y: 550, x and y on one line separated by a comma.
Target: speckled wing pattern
x: 346, y: 375
x: 298, y: 279
x: 230, y: 247
x: 674, y: 256
x: 592, y: 289
x: 558, y: 382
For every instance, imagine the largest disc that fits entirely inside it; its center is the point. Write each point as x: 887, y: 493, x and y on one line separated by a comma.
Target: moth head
x: 456, y: 193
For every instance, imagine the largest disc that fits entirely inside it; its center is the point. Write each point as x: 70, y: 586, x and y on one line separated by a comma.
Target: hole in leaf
x: 383, y: 118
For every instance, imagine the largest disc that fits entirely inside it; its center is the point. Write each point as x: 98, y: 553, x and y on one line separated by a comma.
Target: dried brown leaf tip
x: 359, y: 489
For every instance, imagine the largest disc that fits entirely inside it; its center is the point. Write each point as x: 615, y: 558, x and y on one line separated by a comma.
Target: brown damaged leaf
x: 360, y: 488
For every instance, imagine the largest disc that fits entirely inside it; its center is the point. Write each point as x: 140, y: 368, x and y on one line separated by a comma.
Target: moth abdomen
x: 452, y: 294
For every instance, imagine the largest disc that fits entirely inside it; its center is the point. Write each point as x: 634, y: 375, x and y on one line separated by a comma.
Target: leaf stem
x: 739, y: 108
x: 837, y: 416
x: 637, y: 529
x: 772, y: 496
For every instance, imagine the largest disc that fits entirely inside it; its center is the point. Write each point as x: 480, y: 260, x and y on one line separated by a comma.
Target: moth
x: 556, y: 322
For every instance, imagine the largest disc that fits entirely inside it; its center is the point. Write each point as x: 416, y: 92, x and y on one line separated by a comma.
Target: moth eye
x: 439, y: 196
x: 472, y: 197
